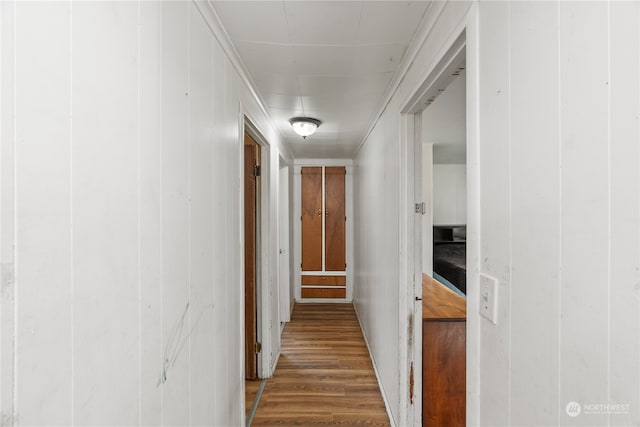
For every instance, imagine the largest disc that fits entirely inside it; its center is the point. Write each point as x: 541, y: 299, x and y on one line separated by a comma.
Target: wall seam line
x: 609, y: 206
x: 213, y: 209
x: 161, y: 197
x: 139, y: 177
x: 71, y: 217
x: 189, y: 5
x: 15, y: 219
x: 510, y: 261
x: 560, y: 247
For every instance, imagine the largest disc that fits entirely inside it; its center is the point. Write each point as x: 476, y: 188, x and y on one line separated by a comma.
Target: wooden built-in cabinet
x: 323, y: 218
x: 444, y: 331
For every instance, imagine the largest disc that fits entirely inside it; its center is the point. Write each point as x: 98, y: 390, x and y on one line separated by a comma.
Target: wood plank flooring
x: 440, y: 302
x: 324, y: 376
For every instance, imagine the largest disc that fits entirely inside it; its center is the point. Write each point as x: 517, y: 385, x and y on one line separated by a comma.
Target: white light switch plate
x: 489, y: 298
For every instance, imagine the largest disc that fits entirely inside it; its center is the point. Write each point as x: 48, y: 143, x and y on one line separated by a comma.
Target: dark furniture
x: 450, y: 254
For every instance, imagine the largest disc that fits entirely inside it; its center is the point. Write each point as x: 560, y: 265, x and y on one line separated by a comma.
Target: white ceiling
x: 330, y: 60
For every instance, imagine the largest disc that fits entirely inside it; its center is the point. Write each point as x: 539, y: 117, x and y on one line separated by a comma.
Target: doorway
x: 251, y: 250
x: 418, y: 150
x: 445, y: 181
x: 443, y: 129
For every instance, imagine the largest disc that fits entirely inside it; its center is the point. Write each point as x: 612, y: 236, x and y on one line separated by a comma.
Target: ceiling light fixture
x: 304, y: 126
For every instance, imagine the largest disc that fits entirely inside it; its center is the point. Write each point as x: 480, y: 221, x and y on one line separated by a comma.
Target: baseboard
x: 275, y: 362
x: 375, y: 369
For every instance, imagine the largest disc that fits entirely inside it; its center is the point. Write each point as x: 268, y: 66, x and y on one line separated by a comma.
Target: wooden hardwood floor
x: 324, y: 376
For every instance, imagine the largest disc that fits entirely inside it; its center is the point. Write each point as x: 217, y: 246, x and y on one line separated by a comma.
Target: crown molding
x: 220, y: 33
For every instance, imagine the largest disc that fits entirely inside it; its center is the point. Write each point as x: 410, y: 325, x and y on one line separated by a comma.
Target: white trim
x: 439, y: 76
x: 387, y: 407
x: 408, y: 314
x: 241, y: 308
x: 418, y: 195
x: 284, y: 259
x: 349, y: 230
x: 297, y: 232
x: 265, y: 264
x: 473, y: 216
x: 323, y: 214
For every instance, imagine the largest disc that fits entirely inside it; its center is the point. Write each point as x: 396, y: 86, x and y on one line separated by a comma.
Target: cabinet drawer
x: 323, y: 293
x: 324, y: 280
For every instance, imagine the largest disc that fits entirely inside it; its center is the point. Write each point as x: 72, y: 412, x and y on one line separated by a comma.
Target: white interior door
x: 283, y: 245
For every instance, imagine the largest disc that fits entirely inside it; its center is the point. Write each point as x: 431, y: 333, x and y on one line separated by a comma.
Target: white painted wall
x: 121, y: 215
x: 556, y: 177
x: 449, y: 194
x: 376, y: 211
x: 560, y: 197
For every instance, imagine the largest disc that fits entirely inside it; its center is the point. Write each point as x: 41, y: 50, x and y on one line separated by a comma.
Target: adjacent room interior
x: 444, y: 127
x: 444, y: 269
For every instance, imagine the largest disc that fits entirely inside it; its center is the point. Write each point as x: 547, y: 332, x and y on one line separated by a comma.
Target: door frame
x: 263, y: 249
x: 256, y: 243
x: 463, y: 41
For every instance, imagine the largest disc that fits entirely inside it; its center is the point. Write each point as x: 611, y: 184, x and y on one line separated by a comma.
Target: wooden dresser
x: 444, y: 342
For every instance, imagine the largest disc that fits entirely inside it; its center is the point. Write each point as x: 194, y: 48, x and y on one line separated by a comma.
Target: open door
x: 251, y: 218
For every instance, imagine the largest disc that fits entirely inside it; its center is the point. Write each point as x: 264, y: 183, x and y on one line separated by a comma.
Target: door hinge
x: 421, y: 208
x: 411, y: 384
x: 258, y: 347
x: 256, y: 170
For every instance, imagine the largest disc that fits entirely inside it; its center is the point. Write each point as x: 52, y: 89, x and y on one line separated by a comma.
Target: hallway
x: 122, y: 199
x: 324, y: 375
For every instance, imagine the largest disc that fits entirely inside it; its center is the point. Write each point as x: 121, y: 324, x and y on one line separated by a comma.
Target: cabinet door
x: 335, y: 219
x: 311, y: 218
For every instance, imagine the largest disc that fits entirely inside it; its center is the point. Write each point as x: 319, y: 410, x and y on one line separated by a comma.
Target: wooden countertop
x: 440, y: 302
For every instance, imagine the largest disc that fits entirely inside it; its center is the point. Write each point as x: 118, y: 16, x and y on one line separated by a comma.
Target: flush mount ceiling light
x: 304, y: 126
